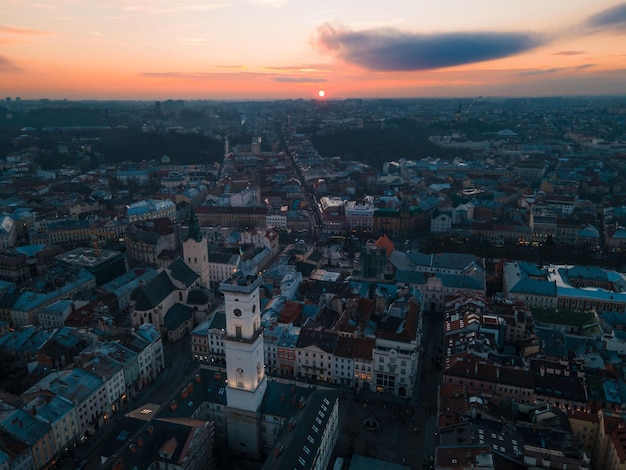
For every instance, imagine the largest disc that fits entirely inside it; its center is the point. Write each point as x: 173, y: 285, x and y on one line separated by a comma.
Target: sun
x: 321, y: 93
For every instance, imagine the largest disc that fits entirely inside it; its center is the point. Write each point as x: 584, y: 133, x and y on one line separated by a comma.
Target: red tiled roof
x: 384, y: 242
x: 363, y: 348
x: 290, y: 312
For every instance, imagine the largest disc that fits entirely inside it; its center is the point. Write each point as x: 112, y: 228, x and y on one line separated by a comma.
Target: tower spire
x: 194, y: 227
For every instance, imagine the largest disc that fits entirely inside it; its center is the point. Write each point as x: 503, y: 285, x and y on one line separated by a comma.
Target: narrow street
x: 178, y: 367
x: 429, y: 378
x: 406, y: 432
x: 406, y: 429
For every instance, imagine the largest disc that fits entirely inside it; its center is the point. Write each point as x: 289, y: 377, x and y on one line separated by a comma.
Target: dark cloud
x: 7, y: 65
x: 393, y: 50
x: 553, y: 70
x: 300, y: 79
x: 528, y: 73
x: 611, y: 19
x: 568, y: 53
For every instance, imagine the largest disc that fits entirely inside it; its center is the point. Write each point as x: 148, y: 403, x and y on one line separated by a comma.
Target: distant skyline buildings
x: 283, y: 49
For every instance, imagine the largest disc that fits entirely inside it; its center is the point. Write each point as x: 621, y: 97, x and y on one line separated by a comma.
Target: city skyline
x: 275, y: 49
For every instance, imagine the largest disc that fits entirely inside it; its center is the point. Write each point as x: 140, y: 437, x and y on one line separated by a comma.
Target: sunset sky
x: 268, y: 49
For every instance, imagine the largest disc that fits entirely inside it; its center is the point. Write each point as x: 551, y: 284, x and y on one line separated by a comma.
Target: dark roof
x: 218, y: 321
x: 315, y: 257
x: 410, y: 277
x: 400, y: 328
x: 133, y: 342
x: 313, y: 290
x: 197, y: 297
x: 148, y: 237
x: 324, y: 340
x: 207, y: 386
x: 122, y: 431
x: 150, y: 295
x: 279, y: 398
x: 7, y: 300
x: 470, y: 367
x: 177, y: 315
x: 303, y: 447
x: 305, y: 268
x: 363, y: 348
x: 395, y: 213
x: 182, y: 273
x: 346, y: 346
x: 219, y: 258
x: 147, y: 444
x: 327, y: 317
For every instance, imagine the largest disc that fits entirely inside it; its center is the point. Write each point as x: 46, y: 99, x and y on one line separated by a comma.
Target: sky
x: 290, y: 49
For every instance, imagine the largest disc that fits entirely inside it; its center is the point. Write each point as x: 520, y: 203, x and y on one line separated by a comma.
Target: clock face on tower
x: 237, y: 312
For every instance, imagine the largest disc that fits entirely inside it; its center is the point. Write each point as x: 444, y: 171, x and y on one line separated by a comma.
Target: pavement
x: 179, y: 366
x: 403, y: 430
x: 396, y: 429
x: 406, y: 431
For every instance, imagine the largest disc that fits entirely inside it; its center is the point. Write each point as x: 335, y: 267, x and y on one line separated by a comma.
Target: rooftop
x: 87, y: 257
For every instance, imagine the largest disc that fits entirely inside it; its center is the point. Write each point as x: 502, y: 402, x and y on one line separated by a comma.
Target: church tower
x: 245, y: 366
x: 196, y: 250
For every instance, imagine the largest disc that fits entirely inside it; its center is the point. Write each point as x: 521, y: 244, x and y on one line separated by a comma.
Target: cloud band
x: 393, y: 50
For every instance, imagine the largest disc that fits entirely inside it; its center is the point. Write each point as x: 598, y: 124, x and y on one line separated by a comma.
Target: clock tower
x: 243, y: 347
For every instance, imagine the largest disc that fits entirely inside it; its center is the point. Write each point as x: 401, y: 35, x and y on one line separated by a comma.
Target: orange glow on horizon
x: 238, y: 50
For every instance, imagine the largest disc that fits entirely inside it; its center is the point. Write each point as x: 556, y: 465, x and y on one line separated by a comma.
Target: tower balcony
x: 241, y: 339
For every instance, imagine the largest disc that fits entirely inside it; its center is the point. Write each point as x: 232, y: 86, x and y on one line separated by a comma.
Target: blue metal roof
x: 30, y: 250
